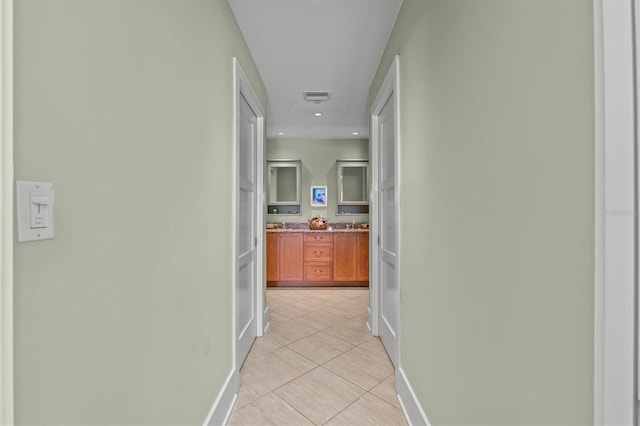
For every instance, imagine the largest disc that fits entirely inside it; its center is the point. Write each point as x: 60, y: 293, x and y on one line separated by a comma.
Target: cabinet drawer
x: 318, y: 271
x: 311, y: 237
x: 318, y: 252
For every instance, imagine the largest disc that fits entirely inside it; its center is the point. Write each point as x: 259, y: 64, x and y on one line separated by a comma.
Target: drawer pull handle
x: 318, y: 271
x: 316, y: 252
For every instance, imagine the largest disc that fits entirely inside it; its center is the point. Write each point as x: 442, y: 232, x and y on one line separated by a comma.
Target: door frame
x: 242, y: 87
x: 390, y: 85
x: 6, y: 204
x: 616, y: 213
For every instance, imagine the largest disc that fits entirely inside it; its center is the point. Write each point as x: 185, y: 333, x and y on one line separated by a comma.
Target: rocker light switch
x: 35, y: 210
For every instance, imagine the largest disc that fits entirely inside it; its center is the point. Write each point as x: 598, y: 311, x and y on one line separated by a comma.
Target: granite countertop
x: 304, y: 227
x: 318, y: 230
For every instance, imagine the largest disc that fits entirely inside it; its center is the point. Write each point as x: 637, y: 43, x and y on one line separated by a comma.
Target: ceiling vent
x: 316, y: 97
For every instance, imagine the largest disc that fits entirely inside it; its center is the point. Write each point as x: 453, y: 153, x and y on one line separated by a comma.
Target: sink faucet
x: 283, y: 225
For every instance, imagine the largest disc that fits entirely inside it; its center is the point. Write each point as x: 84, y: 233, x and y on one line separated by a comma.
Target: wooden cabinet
x: 318, y: 271
x: 351, y: 261
x: 272, y: 257
x: 317, y: 258
x: 344, y: 267
x: 290, y: 257
x: 318, y: 237
x: 317, y: 252
x: 362, y: 257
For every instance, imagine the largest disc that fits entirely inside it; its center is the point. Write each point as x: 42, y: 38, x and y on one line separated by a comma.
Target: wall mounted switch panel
x: 35, y: 210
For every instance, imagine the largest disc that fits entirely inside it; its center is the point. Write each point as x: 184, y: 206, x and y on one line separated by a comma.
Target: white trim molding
x: 265, y: 320
x: 409, y: 402
x: 6, y: 204
x: 223, y: 405
x: 616, y: 214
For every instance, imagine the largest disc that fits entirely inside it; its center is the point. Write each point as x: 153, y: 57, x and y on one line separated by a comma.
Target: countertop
x: 318, y: 230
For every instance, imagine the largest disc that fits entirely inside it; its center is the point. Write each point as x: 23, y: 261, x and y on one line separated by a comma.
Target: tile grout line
x: 331, y: 372
x: 294, y: 408
x: 355, y: 384
x: 319, y: 365
x: 354, y: 302
x: 359, y: 398
x: 353, y: 402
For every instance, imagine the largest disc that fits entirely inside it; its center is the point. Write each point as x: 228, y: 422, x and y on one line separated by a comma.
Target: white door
x: 246, y: 274
x: 388, y: 291
x: 6, y: 202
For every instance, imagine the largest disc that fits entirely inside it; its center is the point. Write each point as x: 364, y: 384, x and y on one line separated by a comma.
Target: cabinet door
x: 290, y: 259
x: 272, y: 257
x: 344, y: 263
x: 363, y: 257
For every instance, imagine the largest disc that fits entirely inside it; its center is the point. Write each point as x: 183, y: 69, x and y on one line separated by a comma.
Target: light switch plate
x: 35, y: 201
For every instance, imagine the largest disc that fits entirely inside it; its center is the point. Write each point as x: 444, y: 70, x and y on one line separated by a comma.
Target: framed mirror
x: 353, y: 187
x: 283, y: 186
x: 353, y: 182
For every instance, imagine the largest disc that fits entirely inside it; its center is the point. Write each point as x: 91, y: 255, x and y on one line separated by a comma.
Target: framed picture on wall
x: 318, y: 196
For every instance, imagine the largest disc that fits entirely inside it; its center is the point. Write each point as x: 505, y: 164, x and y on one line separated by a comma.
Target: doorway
x: 616, y: 213
x: 6, y: 205
x: 248, y: 277
x: 385, y: 248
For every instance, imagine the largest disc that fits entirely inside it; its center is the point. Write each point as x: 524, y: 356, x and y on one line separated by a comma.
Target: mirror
x: 283, y: 187
x: 353, y: 188
x: 284, y: 184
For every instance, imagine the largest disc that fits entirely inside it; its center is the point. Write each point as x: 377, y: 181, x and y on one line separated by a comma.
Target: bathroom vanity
x: 303, y: 257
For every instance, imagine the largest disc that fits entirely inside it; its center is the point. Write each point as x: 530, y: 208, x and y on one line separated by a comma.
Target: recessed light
x: 280, y: 133
x: 355, y: 133
x: 317, y: 114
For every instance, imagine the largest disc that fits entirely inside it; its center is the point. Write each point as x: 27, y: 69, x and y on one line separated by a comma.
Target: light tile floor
x: 317, y: 364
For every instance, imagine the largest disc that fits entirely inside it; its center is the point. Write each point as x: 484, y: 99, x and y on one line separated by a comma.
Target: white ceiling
x: 316, y: 45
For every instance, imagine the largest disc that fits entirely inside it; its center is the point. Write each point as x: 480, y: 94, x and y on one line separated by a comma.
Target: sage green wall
x: 319, y: 158
x: 126, y: 106
x: 497, y: 169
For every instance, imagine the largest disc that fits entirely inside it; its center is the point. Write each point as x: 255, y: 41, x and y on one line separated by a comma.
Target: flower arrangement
x: 318, y: 223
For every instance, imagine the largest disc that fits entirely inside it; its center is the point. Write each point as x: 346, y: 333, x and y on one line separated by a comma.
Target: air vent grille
x: 316, y: 96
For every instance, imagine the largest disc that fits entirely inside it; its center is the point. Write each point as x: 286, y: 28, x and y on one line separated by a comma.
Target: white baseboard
x: 265, y: 320
x: 412, y: 409
x: 221, y: 409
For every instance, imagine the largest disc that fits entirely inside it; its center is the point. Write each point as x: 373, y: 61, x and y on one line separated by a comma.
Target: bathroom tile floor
x: 317, y: 364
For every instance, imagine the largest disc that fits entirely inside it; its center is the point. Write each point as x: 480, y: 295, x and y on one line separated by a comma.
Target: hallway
x: 317, y: 364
